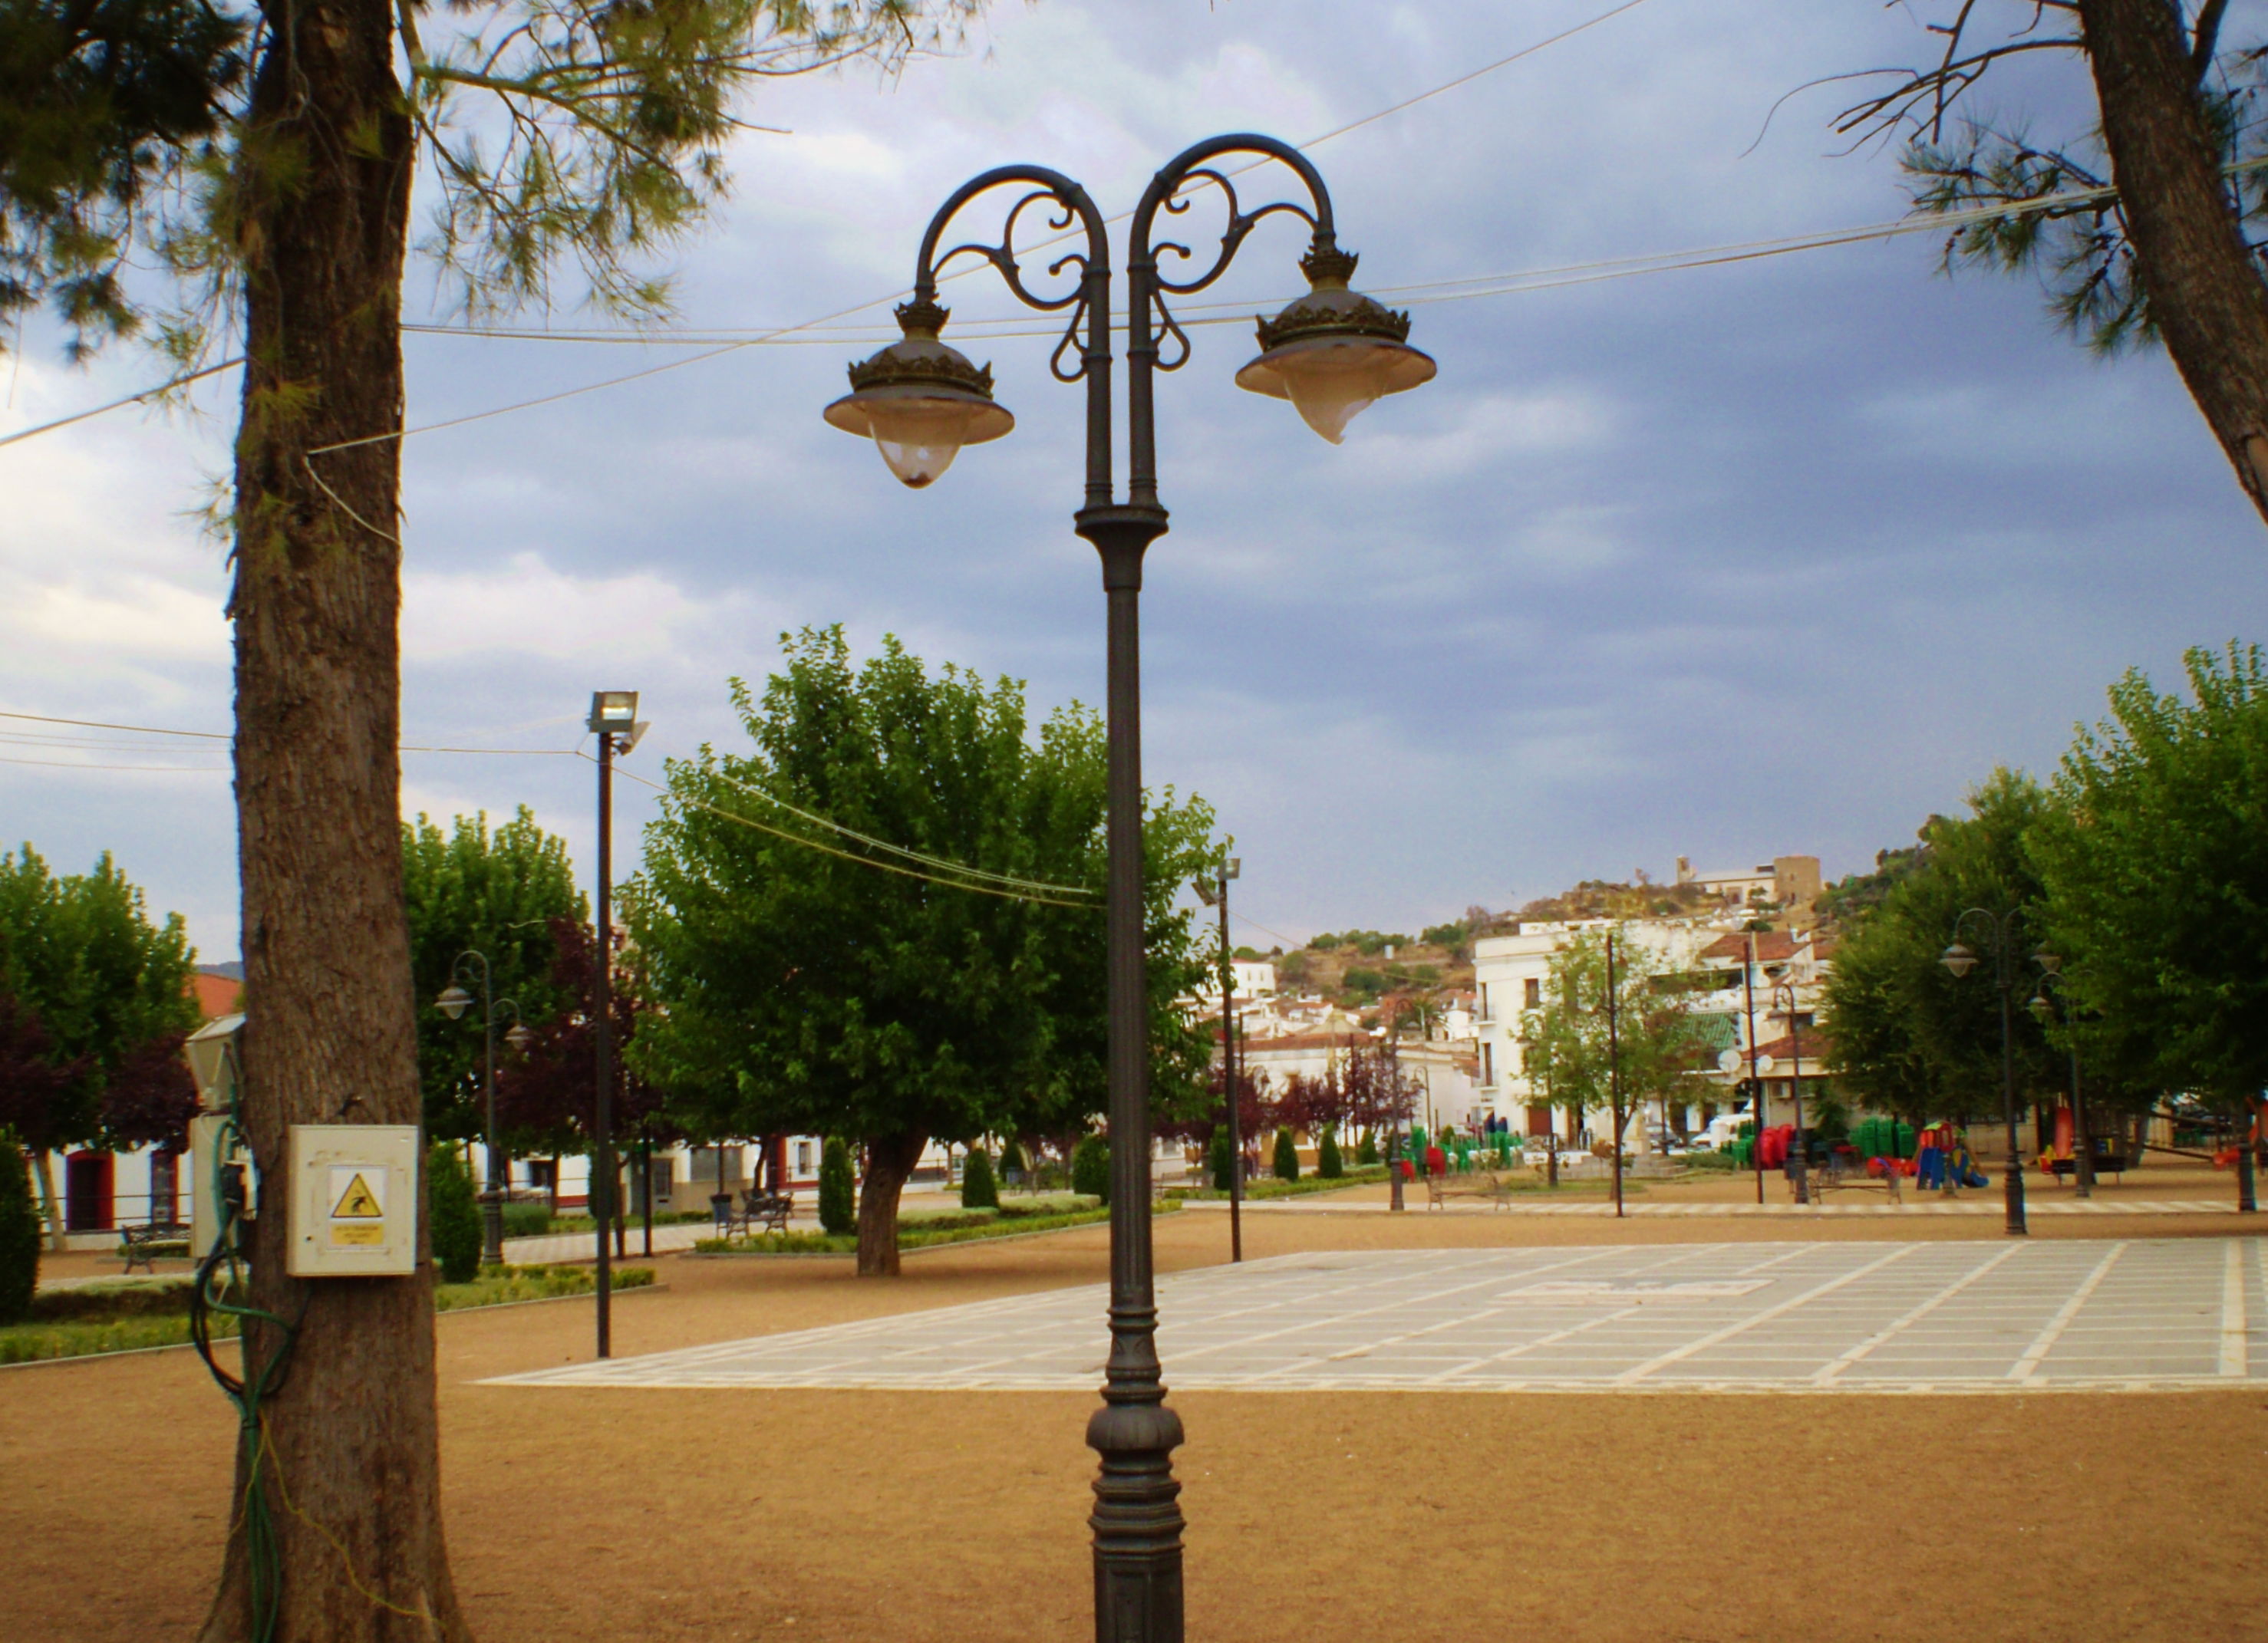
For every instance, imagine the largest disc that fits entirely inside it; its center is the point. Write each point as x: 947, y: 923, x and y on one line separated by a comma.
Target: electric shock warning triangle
x: 357, y: 1202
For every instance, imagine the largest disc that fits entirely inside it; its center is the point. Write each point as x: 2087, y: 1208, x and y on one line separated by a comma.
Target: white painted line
x: 1630, y: 1377
x: 1826, y: 1377
x: 2232, y: 1311
x: 2028, y: 1366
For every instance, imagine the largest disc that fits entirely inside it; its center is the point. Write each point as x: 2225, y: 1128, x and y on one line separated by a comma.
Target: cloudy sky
x: 1771, y: 557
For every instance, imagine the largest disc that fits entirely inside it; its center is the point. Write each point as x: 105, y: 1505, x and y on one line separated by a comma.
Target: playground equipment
x: 1943, y: 1160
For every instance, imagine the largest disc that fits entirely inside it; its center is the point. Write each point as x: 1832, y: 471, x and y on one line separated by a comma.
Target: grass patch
x: 130, y: 1317
x: 1265, y: 1188
x: 919, y: 1232
x: 561, y: 1224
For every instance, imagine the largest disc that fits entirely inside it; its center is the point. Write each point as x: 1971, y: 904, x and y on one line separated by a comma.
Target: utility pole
x: 1755, y: 1081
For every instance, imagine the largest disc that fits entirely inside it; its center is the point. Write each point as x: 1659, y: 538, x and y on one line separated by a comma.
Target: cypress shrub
x: 456, y: 1214
x: 1368, y: 1153
x: 1220, y: 1161
x: 526, y: 1220
x: 1012, y: 1158
x: 1090, y: 1167
x: 1328, y: 1164
x: 19, y: 1232
x: 1286, y: 1165
x: 838, y: 1206
x: 978, y: 1189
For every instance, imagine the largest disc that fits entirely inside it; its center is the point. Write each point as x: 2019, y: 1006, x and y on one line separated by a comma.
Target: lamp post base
x: 1137, y: 1524
x: 2016, y: 1228
x: 491, y: 1228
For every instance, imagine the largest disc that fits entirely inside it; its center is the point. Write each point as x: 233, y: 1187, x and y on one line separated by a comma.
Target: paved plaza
x: 1940, y: 1317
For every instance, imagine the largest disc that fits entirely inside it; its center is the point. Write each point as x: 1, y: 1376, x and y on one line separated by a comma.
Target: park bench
x: 768, y: 1210
x: 140, y: 1246
x: 1480, y: 1184
x: 1837, y: 1175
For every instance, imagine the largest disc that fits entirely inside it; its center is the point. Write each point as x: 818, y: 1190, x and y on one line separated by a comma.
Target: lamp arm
x: 1089, y: 300
x: 1145, y: 287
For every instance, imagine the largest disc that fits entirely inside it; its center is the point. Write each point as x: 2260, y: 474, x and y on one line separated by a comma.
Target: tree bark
x: 50, y: 1204
x: 889, y: 1161
x: 2204, y: 291
x: 348, y: 1444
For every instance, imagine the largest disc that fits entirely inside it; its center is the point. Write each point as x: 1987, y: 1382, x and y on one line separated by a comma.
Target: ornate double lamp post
x: 1784, y: 1001
x: 1960, y: 961
x: 454, y: 1003
x: 2043, y: 1011
x: 1331, y: 353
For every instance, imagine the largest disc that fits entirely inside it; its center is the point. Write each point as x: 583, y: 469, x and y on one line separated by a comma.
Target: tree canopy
x: 497, y: 891
x: 1568, y: 1050
x: 884, y: 920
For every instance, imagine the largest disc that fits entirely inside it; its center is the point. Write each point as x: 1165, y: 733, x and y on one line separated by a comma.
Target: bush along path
x: 1014, y: 1218
x: 135, y: 1316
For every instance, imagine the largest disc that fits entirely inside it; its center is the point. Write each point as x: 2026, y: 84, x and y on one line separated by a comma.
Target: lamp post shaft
x: 1615, y: 1073
x: 1228, y: 1079
x: 2016, y: 1182
x: 492, y: 1208
x: 602, y: 1008
x: 1801, y: 1156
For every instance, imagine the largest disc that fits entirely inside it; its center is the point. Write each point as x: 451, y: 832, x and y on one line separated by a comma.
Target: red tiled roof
x: 1773, y: 947
x: 215, y: 996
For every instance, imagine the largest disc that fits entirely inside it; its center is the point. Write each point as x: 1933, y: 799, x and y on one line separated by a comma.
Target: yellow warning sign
x: 358, y: 1202
x: 350, y: 1236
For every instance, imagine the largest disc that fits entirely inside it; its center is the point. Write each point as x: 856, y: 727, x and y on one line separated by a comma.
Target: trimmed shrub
x: 838, y: 1204
x: 1090, y: 1167
x: 978, y: 1189
x: 19, y: 1232
x: 1328, y: 1164
x: 1012, y: 1158
x: 456, y: 1214
x: 526, y: 1220
x: 1220, y: 1163
x: 1286, y: 1164
x: 1367, y: 1152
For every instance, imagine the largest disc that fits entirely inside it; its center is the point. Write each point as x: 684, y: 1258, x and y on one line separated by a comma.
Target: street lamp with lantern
x: 613, y: 720
x: 1331, y: 353
x: 1214, y: 893
x: 1799, y: 1152
x: 454, y: 1003
x: 1960, y: 960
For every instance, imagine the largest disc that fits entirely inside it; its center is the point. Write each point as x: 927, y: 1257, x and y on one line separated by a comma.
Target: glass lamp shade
x: 919, y: 429
x: 455, y: 1001
x: 519, y: 1038
x: 2049, y: 964
x: 1331, y: 380
x: 920, y: 401
x: 1958, y: 959
x: 2041, y: 1010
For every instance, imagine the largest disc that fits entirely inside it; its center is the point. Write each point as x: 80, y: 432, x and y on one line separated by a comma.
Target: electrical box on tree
x: 354, y: 1201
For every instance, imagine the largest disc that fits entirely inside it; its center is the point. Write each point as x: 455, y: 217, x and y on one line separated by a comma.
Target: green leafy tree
x: 978, y: 1189
x: 884, y: 921
x: 2145, y: 222
x: 454, y: 1215
x: 19, y: 1232
x: 2155, y: 867
x: 1910, y: 1037
x: 837, y: 1209
x: 1572, y: 1051
x: 258, y: 162
x: 495, y: 892
x: 98, y: 984
x: 1328, y: 1164
x: 1285, y: 1164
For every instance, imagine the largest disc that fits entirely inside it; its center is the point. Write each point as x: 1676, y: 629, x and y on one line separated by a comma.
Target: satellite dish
x: 1728, y: 1061
x: 1763, y: 1065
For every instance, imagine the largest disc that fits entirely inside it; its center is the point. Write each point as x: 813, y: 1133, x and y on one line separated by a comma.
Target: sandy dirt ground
x: 591, y: 1513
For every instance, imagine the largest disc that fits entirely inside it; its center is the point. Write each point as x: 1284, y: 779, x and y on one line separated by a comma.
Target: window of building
x: 1534, y: 995
x: 1488, y: 1063
x: 803, y: 1158
x: 164, y: 1188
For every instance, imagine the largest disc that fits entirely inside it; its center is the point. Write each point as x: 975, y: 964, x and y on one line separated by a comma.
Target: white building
x: 1775, y: 974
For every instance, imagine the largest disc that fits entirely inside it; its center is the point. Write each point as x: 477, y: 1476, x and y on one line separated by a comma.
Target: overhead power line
x: 848, y: 855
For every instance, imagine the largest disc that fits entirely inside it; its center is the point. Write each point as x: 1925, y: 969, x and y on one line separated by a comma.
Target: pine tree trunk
x: 350, y: 1469
x: 2205, y: 289
x: 889, y: 1161
x: 51, y: 1204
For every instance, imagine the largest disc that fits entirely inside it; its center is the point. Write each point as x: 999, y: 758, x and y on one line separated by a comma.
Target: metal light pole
x: 2082, y: 1163
x: 1615, y: 1071
x: 614, y: 715
x: 1960, y: 960
x: 1785, y: 990
x: 1214, y: 892
x: 1330, y: 353
x: 453, y: 1001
